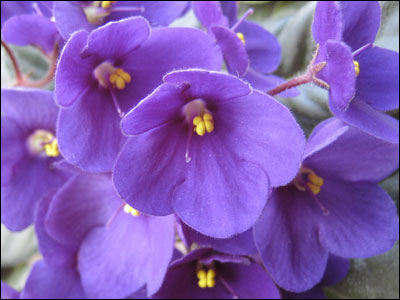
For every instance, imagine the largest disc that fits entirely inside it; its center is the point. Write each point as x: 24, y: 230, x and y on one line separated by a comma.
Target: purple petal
x: 249, y: 282
x: 364, y: 117
x: 336, y: 270
x: 340, y: 74
x: 286, y: 236
x: 148, y: 243
x: 328, y: 22
x: 229, y: 9
x: 361, y: 22
x: 233, y: 50
x: 18, y: 31
x: 46, y: 282
x: 70, y: 17
x: 74, y: 74
x: 86, y: 201
x: 262, y: 47
x: 8, y: 292
x: 117, y: 39
x: 314, y: 293
x: 378, y: 81
x: 362, y: 222
x: 209, y: 13
x: 350, y: 154
x: 93, y: 139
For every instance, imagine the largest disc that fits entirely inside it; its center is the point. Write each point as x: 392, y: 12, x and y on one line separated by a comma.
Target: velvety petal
x: 340, y: 74
x: 249, y: 282
x: 8, y: 292
x: 328, y: 22
x: 242, y: 244
x: 18, y: 31
x: 212, y: 86
x: 167, y: 49
x: 350, y: 154
x: 117, y: 39
x: 74, y: 75
x: 181, y: 283
x: 233, y: 50
x: 362, y: 220
x: 229, y: 9
x: 46, y: 282
x: 209, y: 13
x: 378, y: 81
x: 86, y: 201
x: 364, y: 117
x: 336, y: 270
x: 265, y: 83
x: 262, y: 47
x: 148, y: 243
x: 93, y: 139
x: 53, y: 252
x: 70, y: 17
x: 287, y: 238
x: 361, y: 20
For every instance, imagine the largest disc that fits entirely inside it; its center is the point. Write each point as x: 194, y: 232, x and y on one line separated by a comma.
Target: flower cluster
x: 151, y: 171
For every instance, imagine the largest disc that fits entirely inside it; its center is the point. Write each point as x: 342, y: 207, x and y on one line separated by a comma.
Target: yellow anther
x: 119, y: 78
x: 314, y: 183
x: 356, y: 67
x: 130, y: 210
x: 51, y: 148
x: 241, y: 37
x: 315, y: 189
x: 203, y: 124
x: 206, y: 279
x: 107, y: 4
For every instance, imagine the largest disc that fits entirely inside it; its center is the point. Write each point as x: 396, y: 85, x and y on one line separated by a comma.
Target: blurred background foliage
x: 290, y: 21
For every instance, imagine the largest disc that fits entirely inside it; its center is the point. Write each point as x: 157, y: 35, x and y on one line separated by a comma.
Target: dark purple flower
x: 112, y: 238
x: 105, y: 73
x: 8, y: 292
x: 73, y: 16
x: 208, y: 147
x: 334, y: 205
x: 207, y: 274
x: 28, y: 153
x: 363, y: 79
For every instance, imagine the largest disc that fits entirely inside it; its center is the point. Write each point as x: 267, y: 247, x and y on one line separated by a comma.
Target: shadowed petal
x: 209, y: 13
x: 328, y: 22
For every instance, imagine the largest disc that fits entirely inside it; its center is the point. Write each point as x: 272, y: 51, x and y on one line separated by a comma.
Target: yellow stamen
x: 206, y: 279
x: 241, y: 37
x: 130, y: 210
x: 43, y: 143
x: 107, y: 4
x: 119, y: 78
x: 51, y: 149
x: 314, y: 183
x: 356, y: 67
x: 203, y: 124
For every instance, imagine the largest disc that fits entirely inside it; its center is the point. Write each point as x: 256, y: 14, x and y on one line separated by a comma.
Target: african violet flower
x: 110, y: 238
x: 206, y: 146
x: 334, y: 205
x: 363, y: 79
x: 105, y: 73
x: 73, y: 16
x: 28, y: 153
x: 15, y: 8
x: 8, y: 292
x: 207, y: 274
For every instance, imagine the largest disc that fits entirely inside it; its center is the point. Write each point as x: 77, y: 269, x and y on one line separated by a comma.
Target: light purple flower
x: 28, y: 153
x: 206, y: 146
x: 8, y: 292
x: 207, y: 274
x: 334, y: 205
x: 105, y: 73
x: 363, y: 79
x: 15, y: 8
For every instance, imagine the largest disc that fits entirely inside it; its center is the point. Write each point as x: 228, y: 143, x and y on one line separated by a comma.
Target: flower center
x: 199, y: 117
x: 241, y: 37
x: 356, y: 67
x: 109, y: 76
x: 43, y: 143
x: 130, y: 210
x: 206, y: 279
x: 98, y: 11
x: 308, y: 180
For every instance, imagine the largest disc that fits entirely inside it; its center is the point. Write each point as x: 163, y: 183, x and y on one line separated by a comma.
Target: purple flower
x: 363, y: 79
x: 8, y: 292
x: 208, y: 148
x: 14, y: 8
x: 334, y: 205
x: 206, y: 274
x: 28, y: 153
x: 72, y: 16
x: 105, y: 73
x: 110, y: 237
